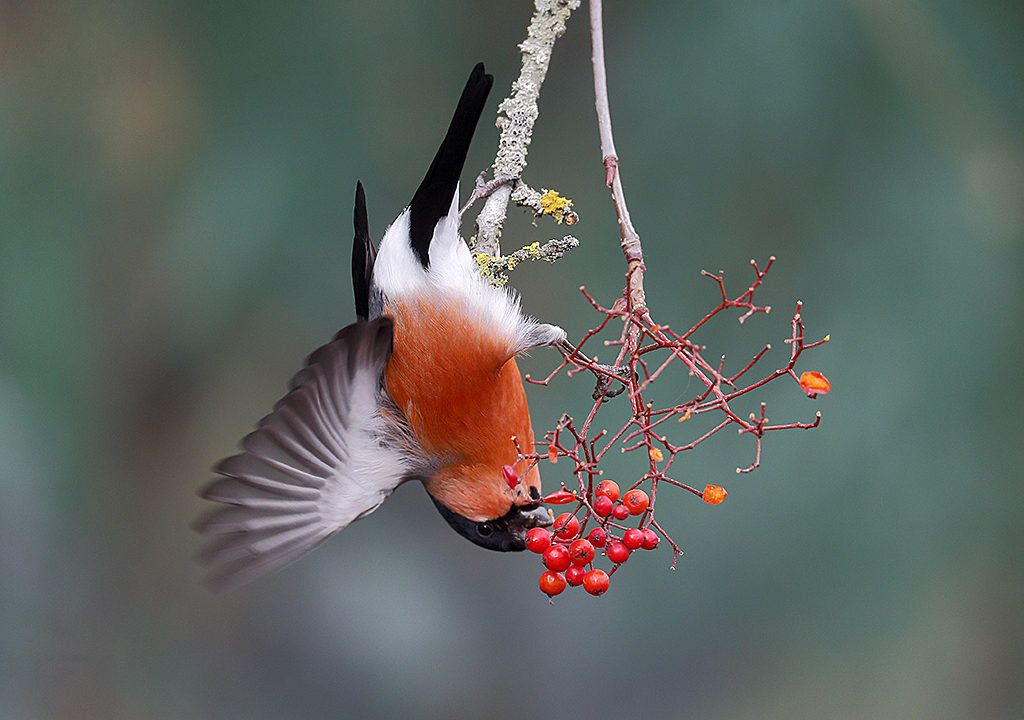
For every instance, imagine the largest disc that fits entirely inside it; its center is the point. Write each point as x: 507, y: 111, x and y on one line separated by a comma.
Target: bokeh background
x: 175, y: 189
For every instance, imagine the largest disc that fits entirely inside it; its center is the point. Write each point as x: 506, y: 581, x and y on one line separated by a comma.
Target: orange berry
x: 636, y: 501
x: 552, y: 453
x: 814, y: 383
x: 713, y: 494
x: 655, y: 454
x: 608, y: 489
x: 551, y: 583
x: 595, y: 582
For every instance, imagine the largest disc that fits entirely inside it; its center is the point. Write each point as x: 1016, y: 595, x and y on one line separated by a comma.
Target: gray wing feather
x: 311, y: 467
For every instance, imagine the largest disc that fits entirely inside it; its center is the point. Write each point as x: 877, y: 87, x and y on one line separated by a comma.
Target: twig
x: 613, y: 176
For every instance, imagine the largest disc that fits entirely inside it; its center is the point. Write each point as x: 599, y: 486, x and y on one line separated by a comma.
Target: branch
x: 516, y: 116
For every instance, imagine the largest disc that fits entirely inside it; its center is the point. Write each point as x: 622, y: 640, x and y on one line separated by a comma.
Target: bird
x: 423, y: 386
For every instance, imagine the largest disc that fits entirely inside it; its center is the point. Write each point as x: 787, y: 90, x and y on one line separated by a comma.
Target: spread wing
x: 318, y: 462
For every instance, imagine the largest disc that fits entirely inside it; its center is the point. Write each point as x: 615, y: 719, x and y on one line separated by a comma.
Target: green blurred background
x: 175, y: 204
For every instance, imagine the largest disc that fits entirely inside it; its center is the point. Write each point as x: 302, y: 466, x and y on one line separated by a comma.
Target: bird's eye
x: 485, y: 529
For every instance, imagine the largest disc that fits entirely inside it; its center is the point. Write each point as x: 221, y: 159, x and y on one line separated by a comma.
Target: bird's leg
x: 603, y: 390
x: 483, y: 188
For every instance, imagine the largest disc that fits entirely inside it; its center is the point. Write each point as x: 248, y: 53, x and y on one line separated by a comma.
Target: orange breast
x: 464, y: 400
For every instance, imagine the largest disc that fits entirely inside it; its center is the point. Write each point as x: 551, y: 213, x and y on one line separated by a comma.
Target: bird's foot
x: 484, y: 188
x: 603, y: 391
x: 605, y: 374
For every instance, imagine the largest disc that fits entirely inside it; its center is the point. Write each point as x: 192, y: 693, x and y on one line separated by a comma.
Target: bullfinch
x: 423, y: 386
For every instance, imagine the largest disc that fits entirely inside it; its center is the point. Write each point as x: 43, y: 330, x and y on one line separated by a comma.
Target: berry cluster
x: 567, y: 553
x: 645, y: 350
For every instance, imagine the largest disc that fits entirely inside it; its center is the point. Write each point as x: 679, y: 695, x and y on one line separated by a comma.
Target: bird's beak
x: 526, y: 517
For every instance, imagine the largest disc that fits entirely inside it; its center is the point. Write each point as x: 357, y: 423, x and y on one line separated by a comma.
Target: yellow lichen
x: 490, y: 268
x: 484, y: 261
x: 553, y: 204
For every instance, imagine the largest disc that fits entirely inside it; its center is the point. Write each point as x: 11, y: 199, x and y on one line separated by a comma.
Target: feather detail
x: 318, y: 462
x: 363, y: 256
x: 434, y: 195
x: 450, y: 375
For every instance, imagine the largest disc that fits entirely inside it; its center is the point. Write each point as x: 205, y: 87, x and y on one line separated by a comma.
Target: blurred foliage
x: 175, y: 188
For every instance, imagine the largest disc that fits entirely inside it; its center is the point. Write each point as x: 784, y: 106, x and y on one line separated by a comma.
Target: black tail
x: 434, y: 195
x: 363, y: 256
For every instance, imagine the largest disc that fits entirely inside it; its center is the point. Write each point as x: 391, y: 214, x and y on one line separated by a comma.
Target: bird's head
x: 480, y: 503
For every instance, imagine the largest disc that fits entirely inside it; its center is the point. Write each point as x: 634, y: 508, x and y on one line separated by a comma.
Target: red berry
x: 538, y: 539
x: 559, y: 497
x: 608, y: 489
x: 556, y: 558
x: 566, y: 526
x: 581, y: 552
x: 598, y: 537
x: 620, y: 512
x: 636, y: 501
x: 574, y: 575
x: 603, y: 505
x: 510, y: 474
x: 651, y: 539
x: 617, y: 552
x: 551, y: 583
x: 595, y: 582
x: 633, y: 538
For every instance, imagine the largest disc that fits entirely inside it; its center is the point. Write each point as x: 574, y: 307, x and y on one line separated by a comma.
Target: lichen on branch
x: 516, y: 116
x: 495, y: 268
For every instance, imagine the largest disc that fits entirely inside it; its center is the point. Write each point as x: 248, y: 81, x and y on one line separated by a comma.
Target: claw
x: 482, y: 188
x: 603, y: 390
